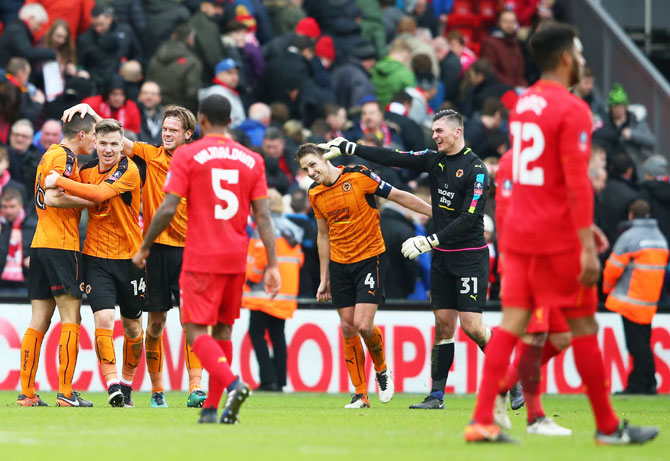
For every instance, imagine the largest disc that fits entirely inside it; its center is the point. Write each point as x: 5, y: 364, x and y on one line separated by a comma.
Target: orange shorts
x: 547, y: 281
x: 547, y: 320
x: 208, y: 299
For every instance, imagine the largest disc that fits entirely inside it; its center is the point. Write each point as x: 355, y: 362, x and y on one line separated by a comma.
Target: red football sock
x: 512, y: 374
x: 529, y: 371
x: 227, y: 348
x: 498, y: 351
x: 548, y: 351
x: 215, y: 392
x: 589, y: 362
x: 214, y: 361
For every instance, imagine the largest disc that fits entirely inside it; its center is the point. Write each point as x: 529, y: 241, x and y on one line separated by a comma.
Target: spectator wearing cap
x: 391, y: 74
x: 322, y: 62
x: 225, y: 81
x: 177, y: 70
x: 102, y: 48
x: 623, y: 131
x: 306, y: 27
x: 503, y: 50
x: 655, y: 189
x: 351, y: 78
x: 18, y: 38
x: 113, y: 103
x: 207, y: 45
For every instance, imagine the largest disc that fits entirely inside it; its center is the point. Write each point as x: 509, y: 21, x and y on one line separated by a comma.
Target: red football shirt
x: 219, y: 179
x: 503, y: 190
x: 550, y: 131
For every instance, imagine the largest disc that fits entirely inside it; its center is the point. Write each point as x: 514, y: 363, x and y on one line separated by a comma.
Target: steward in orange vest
x: 633, y: 277
x: 269, y: 315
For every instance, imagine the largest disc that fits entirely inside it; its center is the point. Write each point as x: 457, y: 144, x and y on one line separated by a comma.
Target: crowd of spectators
x: 298, y: 71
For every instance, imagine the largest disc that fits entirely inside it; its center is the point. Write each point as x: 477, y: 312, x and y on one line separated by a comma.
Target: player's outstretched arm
x: 160, y: 221
x: 323, y: 246
x: 388, y: 157
x: 96, y: 193
x: 261, y: 214
x: 411, y: 202
x: 56, y: 198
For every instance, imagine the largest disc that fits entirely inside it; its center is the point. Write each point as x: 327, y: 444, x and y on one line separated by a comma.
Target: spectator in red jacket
x: 113, y: 103
x: 503, y: 50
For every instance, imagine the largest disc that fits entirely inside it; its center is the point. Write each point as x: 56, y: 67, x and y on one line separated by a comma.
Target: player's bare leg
x: 496, y: 362
x: 132, y: 352
x: 213, y: 358
x: 364, y: 316
x: 196, y: 395
x: 42, y: 312
x: 354, y: 356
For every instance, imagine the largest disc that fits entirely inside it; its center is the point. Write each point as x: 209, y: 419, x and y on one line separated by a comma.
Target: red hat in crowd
x: 308, y: 27
x: 324, y: 48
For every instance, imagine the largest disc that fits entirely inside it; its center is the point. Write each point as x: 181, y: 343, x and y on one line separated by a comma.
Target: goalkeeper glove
x: 337, y: 147
x: 413, y: 247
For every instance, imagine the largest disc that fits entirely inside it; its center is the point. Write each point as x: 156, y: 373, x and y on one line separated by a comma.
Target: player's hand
x: 272, y: 281
x: 602, y: 244
x: 50, y: 180
x: 337, y: 147
x: 140, y: 258
x: 323, y: 292
x: 81, y: 109
x: 590, y: 267
x: 413, y: 247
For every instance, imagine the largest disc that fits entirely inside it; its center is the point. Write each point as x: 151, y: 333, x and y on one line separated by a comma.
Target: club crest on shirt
x: 346, y: 186
x: 507, y: 188
x: 583, y: 141
x: 459, y: 173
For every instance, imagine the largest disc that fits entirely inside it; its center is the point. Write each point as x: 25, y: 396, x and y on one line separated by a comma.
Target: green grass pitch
x: 308, y: 427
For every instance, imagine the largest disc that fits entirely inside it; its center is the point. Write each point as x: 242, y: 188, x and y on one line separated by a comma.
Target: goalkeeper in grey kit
x: 460, y: 263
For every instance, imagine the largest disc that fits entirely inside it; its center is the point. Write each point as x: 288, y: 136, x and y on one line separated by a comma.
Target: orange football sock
x: 104, y: 347
x: 30, y: 359
x: 132, y: 352
x: 354, y: 357
x: 68, y: 348
x: 153, y: 351
x: 375, y: 345
x: 193, y: 366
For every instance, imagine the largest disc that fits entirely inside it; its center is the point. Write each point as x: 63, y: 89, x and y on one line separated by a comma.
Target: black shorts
x: 163, y: 270
x: 459, y: 280
x: 359, y: 282
x: 115, y: 281
x: 54, y: 273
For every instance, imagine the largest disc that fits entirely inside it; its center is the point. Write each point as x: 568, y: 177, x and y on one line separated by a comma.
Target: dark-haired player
x: 55, y: 267
x: 460, y: 265
x: 221, y: 181
x: 352, y: 258
x: 548, y: 243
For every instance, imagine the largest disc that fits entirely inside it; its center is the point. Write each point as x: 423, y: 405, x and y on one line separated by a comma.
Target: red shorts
x: 547, y: 281
x: 547, y: 320
x: 208, y: 299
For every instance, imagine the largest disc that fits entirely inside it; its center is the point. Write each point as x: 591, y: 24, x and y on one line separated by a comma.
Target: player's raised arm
x: 323, y: 246
x: 261, y: 214
x: 82, y: 109
x: 410, y: 201
x: 388, y: 157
